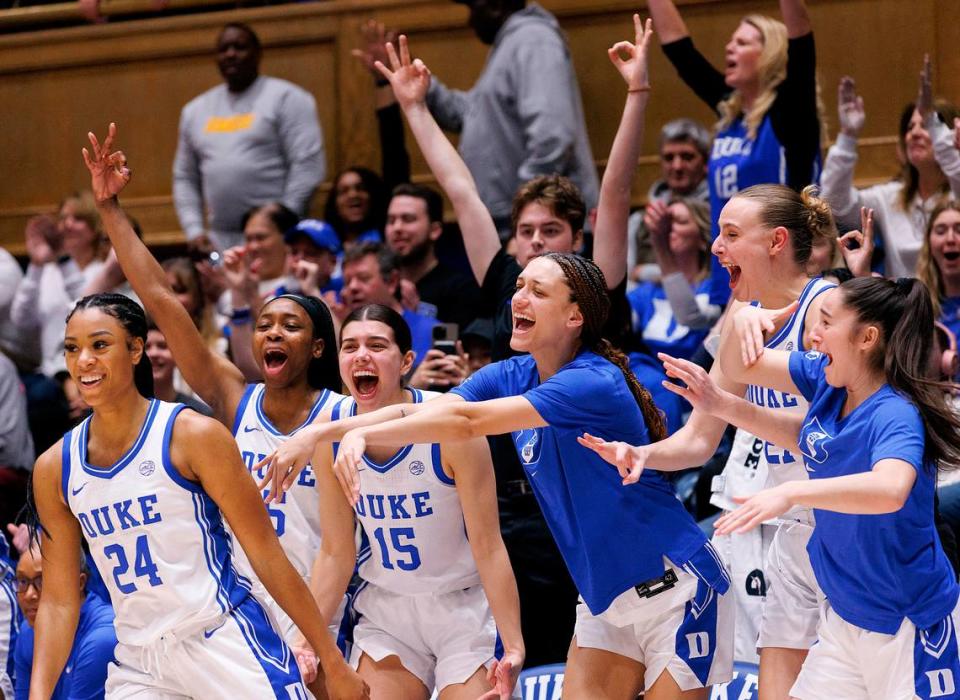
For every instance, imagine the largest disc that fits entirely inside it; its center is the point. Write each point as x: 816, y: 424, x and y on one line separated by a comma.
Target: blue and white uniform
x: 9, y: 619
x: 296, y: 517
x: 420, y: 597
x: 776, y: 593
x: 659, y: 598
x: 654, y: 320
x: 186, y: 623
x: 888, y: 627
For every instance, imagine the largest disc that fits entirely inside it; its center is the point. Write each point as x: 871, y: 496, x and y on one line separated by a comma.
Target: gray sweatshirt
x: 523, y: 117
x: 237, y: 151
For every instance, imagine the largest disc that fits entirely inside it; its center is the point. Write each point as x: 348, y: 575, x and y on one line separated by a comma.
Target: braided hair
x: 588, y: 288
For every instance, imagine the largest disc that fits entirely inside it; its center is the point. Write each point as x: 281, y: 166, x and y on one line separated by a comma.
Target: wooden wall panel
x: 56, y: 84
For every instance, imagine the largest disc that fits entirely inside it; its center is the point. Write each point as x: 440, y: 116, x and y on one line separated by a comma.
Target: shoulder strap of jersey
x: 242, y: 406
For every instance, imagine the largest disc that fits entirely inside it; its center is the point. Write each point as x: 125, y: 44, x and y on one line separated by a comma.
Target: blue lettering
x: 122, y: 510
x: 375, y: 503
x: 359, y: 507
x: 307, y: 478
x: 397, y: 511
x: 772, y: 399
x: 421, y: 508
x: 789, y: 400
x: 146, y: 508
x: 87, y: 527
x: 107, y: 523
x: 248, y: 460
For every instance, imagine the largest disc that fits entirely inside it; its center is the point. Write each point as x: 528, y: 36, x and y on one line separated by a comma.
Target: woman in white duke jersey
x: 293, y: 344
x: 434, y: 570
x: 149, y: 487
x: 766, y: 236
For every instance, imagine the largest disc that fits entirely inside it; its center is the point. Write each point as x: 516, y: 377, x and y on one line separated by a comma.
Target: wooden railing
x: 56, y: 84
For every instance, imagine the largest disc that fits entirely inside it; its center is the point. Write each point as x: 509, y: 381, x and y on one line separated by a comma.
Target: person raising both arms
x: 293, y: 344
x: 150, y: 486
x: 432, y: 564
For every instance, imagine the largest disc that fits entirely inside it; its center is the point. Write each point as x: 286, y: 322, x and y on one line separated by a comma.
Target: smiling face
x: 79, y: 238
x: 371, y: 363
x: 265, y: 247
x: 945, y: 243
x: 539, y: 230
x: 283, y: 343
x: 353, y: 199
x: 409, y: 231
x: 363, y: 284
x: 100, y: 355
x: 161, y: 359
x: 542, y: 310
x: 742, y: 57
x: 747, y: 248
x: 845, y: 341
x: 686, y: 239
x: 918, y: 147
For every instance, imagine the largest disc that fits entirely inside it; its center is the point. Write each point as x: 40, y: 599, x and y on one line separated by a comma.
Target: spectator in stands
x: 64, y: 257
x: 16, y: 442
x: 523, y: 117
x: 939, y: 263
x: 164, y: 367
x: 371, y: 275
x: 313, y: 253
x: 357, y: 206
x: 930, y: 169
x: 252, y: 140
x: 770, y: 127
x: 85, y: 671
x: 674, y: 314
x: 265, y: 249
x: 22, y: 349
x: 414, y: 224
x: 684, y: 150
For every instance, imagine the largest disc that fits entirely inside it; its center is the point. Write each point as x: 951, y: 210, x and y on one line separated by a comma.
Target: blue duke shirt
x: 611, y: 536
x: 874, y: 569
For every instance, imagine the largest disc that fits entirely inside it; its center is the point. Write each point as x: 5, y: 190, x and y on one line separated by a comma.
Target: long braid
x: 588, y: 288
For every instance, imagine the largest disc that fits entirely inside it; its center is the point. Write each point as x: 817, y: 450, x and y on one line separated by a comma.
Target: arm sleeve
x: 944, y: 150
x: 73, y: 279
x: 187, y: 191
x: 806, y: 371
x: 546, y: 111
x: 395, y: 159
x: 93, y: 657
x: 23, y: 662
x: 684, y: 304
x: 836, y: 183
x: 301, y: 140
x: 573, y: 398
x: 897, y: 433
x: 447, y: 106
x: 23, y: 307
x: 10, y: 275
x: 697, y: 72
x: 483, y: 385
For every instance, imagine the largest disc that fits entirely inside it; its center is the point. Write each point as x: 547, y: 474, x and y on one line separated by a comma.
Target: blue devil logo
x: 813, y: 440
x: 529, y: 443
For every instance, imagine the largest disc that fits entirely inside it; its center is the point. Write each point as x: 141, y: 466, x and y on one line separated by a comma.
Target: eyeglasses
x: 22, y: 584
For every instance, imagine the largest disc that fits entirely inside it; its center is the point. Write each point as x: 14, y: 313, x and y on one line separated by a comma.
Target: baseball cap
x: 319, y: 232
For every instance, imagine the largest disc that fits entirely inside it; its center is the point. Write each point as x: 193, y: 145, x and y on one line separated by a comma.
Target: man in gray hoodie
x: 523, y: 117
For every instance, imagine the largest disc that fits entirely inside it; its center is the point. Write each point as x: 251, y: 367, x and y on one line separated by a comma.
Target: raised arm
x: 610, y: 234
x: 742, y: 354
x: 666, y: 18
x: 205, y: 450
x: 410, y: 81
x: 59, y: 609
x: 472, y: 469
x: 218, y: 382
x: 796, y: 17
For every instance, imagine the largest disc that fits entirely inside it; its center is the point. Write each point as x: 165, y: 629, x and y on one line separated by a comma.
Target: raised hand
x: 850, y: 108
x: 699, y: 389
x: 410, y: 80
x: 749, y: 325
x: 857, y: 246
x: 307, y: 274
x: 628, y: 459
x: 658, y: 221
x: 925, y: 90
x: 284, y: 465
x: 236, y: 270
x: 633, y: 68
x: 375, y: 38
x: 109, y: 173
x: 759, y: 508
x: 37, y: 239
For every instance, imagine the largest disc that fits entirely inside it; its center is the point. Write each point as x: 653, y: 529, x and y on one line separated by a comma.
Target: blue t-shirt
x: 611, y: 536
x: 421, y: 331
x: 649, y: 372
x: 874, y: 569
x: 654, y: 320
x: 85, y: 674
x: 950, y: 314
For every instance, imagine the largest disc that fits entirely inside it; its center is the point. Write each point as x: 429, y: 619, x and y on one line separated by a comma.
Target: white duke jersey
x: 754, y: 463
x: 414, y: 538
x: 157, y: 539
x: 296, y: 517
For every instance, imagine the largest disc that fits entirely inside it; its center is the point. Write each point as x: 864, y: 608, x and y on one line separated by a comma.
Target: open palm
x: 109, y: 173
x: 410, y: 79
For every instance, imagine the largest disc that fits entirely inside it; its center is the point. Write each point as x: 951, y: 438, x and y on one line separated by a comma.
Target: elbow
x: 463, y: 424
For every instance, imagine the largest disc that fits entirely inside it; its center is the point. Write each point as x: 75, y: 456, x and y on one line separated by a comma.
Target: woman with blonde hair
x: 938, y: 266
x: 769, y: 130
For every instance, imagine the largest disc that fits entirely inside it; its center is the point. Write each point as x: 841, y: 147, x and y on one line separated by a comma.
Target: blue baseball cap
x: 320, y: 233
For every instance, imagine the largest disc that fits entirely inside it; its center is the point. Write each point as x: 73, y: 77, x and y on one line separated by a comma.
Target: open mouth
x: 90, y: 380
x: 735, y: 273
x: 365, y: 382
x: 951, y: 256
x: 522, y: 323
x: 274, y: 361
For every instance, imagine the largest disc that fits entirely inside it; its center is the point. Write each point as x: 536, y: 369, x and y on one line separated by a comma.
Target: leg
x: 779, y: 669
x: 601, y: 675
x: 666, y: 688
x: 389, y: 680
x: 471, y: 689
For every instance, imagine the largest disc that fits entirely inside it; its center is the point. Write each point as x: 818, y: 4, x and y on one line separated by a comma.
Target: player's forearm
x: 782, y: 428
x: 870, y: 493
x: 329, y: 579
x: 55, y: 627
x: 432, y: 423
x: 500, y: 585
x: 691, y: 446
x: 140, y: 267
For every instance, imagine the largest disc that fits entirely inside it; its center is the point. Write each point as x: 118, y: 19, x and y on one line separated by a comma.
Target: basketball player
x: 148, y: 486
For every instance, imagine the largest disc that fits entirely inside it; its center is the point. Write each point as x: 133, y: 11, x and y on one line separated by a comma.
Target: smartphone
x: 445, y: 338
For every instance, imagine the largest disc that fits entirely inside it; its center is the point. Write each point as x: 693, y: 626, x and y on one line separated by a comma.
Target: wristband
x: 240, y: 316
x: 642, y: 88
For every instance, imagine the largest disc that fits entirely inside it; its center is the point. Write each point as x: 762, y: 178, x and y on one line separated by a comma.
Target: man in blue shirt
x: 85, y: 673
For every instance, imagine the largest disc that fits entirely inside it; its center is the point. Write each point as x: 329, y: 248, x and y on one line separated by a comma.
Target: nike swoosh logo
x: 250, y: 429
x: 76, y: 491
x: 209, y: 633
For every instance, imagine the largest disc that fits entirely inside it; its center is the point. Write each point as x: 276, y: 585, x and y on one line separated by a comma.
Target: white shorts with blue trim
x: 791, y: 610
x: 686, y: 631
x: 239, y: 656
x: 851, y: 663
x: 442, y: 639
